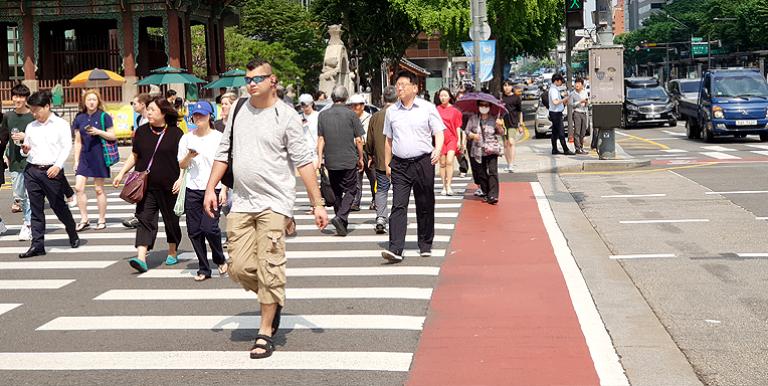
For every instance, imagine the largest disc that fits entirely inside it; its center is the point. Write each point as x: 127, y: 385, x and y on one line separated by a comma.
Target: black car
x: 647, y: 103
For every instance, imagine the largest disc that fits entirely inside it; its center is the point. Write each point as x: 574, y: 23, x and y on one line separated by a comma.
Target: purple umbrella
x: 468, y: 103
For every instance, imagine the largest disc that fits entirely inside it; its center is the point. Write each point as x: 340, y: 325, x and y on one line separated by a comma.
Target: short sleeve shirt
x: 339, y: 126
x: 555, y: 95
x: 411, y: 129
x: 200, y: 167
x: 165, y: 166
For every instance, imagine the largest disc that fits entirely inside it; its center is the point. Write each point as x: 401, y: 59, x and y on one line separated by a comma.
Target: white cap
x: 356, y: 99
x: 306, y: 99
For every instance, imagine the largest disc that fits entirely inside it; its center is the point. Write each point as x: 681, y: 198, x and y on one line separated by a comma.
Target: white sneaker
x: 449, y: 192
x: 462, y: 175
x: 479, y: 192
x: 510, y: 170
x: 3, y: 228
x: 443, y: 192
x: 25, y: 234
x: 391, y: 257
x: 72, y: 203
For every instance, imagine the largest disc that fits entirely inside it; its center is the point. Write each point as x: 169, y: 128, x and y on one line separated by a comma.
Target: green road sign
x: 697, y: 40
x: 574, y: 5
x: 700, y: 49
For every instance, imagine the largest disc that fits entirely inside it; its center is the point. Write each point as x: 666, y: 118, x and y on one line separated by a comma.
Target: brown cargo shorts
x: 256, y: 246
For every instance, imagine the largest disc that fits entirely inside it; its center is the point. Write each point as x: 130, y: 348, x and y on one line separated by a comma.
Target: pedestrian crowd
x: 242, y: 166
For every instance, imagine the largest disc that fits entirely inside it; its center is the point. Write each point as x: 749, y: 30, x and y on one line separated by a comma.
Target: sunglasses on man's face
x: 256, y: 79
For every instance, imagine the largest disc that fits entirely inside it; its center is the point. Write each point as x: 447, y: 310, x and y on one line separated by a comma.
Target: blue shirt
x: 411, y: 129
x: 554, y: 95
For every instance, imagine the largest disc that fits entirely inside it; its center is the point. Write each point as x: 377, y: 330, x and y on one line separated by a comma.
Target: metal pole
x: 477, y: 25
x: 568, y: 83
x: 709, y: 50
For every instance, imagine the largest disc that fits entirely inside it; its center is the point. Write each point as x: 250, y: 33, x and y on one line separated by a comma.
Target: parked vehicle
x: 731, y: 102
x: 531, y: 93
x: 683, y: 89
x: 542, y: 124
x: 647, y: 103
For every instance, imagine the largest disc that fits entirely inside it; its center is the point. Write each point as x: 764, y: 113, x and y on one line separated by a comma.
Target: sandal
x: 268, y: 348
x: 82, y: 226
x: 15, y: 207
x: 100, y: 226
x: 223, y: 269
x: 276, y: 320
x: 201, y: 278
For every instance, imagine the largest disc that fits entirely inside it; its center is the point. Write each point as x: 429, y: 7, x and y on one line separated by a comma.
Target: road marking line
x: 206, y: 360
x: 740, y: 192
x: 648, y: 141
x: 758, y: 152
x: 634, y: 195
x: 717, y: 148
x: 290, y: 293
x: 643, y: 256
x: 763, y: 147
x: 80, y: 264
x: 718, y: 155
x: 674, y: 133
x: 761, y: 218
x: 663, y: 221
x: 308, y: 272
x: 81, y: 249
x: 33, y: 284
x: 332, y: 254
x: 233, y: 322
x: 675, y: 151
x: 752, y: 255
x: 607, y: 364
x: 5, y: 307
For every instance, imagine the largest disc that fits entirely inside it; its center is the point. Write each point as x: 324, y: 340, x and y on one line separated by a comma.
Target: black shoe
x: 132, y: 222
x: 355, y: 208
x: 74, y: 243
x: 32, y: 252
x: 341, y: 229
x: 492, y: 200
x: 568, y: 152
x: 555, y: 152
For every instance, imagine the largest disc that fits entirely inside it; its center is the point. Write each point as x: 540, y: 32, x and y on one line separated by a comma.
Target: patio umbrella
x: 167, y: 70
x: 230, y: 79
x: 97, y: 77
x: 170, y: 78
x: 468, y: 103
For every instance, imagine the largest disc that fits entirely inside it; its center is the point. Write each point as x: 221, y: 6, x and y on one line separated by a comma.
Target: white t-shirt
x: 310, y: 129
x: 200, y: 167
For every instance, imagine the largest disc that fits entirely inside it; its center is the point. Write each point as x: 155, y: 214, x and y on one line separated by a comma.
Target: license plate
x: 746, y: 122
x: 653, y: 116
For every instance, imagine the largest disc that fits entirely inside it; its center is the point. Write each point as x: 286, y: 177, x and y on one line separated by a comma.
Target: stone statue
x: 335, y: 63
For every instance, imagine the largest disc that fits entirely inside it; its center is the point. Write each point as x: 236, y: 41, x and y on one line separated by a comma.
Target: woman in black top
x: 513, y: 100
x: 162, y: 184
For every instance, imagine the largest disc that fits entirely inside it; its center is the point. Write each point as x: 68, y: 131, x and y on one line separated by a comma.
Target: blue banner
x: 487, y: 58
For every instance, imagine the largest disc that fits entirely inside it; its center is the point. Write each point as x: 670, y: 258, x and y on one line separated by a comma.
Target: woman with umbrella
x: 483, y: 130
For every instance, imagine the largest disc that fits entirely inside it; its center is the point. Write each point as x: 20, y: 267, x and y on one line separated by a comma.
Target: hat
x: 356, y: 99
x: 306, y: 99
x: 202, y: 108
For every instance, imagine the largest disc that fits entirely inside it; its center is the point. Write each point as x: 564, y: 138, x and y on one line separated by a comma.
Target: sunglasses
x: 256, y: 79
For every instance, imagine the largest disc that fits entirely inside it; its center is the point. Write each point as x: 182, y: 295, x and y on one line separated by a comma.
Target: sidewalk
x: 511, y: 306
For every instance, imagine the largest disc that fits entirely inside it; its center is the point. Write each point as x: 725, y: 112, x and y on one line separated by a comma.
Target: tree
x: 379, y: 31
x: 288, y: 23
x: 199, y: 52
x: 241, y: 49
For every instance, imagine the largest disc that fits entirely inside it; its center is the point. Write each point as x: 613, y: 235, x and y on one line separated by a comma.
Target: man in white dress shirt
x: 47, y: 144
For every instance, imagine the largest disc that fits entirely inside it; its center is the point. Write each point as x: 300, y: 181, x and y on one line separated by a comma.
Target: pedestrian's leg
x: 595, y: 138
x: 101, y: 200
x: 334, y: 177
x: 553, y: 118
x: 482, y: 175
x: 20, y: 191
x: 491, y: 166
x: 146, y: 231
x: 14, y: 183
x: 36, y: 196
x: 82, y: 198
x: 359, y: 195
x: 166, y: 201
x: 212, y: 232
x: 55, y: 195
x: 424, y: 194
x: 582, y: 129
x: 350, y: 183
x: 449, y: 158
x: 443, y: 173
x: 577, y: 139
x: 382, y: 192
x: 271, y: 270
x: 401, y: 194
x: 193, y: 208
x: 561, y: 131
x: 371, y: 174
x: 509, y: 148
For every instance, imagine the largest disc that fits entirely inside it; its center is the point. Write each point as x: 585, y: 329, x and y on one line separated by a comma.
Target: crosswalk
x: 727, y: 152
x: 347, y: 311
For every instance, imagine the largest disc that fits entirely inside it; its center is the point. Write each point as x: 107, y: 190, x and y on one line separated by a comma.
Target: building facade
x: 428, y: 55
x: 636, y: 11
x: 618, y: 18
x: 45, y: 44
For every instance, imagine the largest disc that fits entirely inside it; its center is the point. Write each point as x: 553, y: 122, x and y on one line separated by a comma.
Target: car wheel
x: 539, y: 135
x: 690, y: 129
x: 707, y: 134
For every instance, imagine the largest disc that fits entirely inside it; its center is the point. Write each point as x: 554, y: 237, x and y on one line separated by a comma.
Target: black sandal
x: 276, y: 320
x: 268, y: 348
x: 81, y: 226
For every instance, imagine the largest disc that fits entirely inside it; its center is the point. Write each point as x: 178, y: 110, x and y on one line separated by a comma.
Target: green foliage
x: 199, y: 52
x: 241, y: 49
x: 289, y: 25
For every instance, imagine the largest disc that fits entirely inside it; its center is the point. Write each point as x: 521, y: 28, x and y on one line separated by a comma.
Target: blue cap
x: 202, y: 108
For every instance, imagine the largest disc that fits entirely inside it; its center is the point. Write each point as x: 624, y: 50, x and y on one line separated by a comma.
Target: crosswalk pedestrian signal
x: 574, y: 14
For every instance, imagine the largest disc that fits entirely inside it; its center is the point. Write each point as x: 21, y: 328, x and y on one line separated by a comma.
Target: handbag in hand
x: 136, y: 182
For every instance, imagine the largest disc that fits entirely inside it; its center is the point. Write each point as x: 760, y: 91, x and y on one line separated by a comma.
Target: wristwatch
x: 319, y: 203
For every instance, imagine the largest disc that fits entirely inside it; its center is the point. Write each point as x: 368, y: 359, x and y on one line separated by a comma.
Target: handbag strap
x: 156, y: 146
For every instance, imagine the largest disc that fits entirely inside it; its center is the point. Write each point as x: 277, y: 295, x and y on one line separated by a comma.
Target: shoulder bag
x: 325, y: 187
x: 136, y: 182
x: 111, y: 152
x: 228, y: 179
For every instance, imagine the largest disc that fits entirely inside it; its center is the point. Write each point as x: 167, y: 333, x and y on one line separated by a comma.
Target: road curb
x: 603, y: 166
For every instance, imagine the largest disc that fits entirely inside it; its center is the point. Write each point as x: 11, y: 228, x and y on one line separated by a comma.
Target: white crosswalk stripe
x: 33, y: 284
x: 719, y: 155
x: 290, y: 294
x: 7, y: 307
x: 308, y: 272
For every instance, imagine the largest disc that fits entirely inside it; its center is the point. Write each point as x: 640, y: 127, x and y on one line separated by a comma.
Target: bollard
x: 606, y: 146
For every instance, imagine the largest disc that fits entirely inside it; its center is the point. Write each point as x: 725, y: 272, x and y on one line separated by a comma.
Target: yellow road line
x: 648, y: 141
x: 640, y: 171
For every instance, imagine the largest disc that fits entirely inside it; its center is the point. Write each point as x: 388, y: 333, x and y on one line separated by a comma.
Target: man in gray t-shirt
x: 340, y: 149
x: 267, y: 142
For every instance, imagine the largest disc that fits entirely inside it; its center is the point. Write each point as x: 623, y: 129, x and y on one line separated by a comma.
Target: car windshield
x: 655, y: 93
x: 689, y: 86
x: 740, y: 86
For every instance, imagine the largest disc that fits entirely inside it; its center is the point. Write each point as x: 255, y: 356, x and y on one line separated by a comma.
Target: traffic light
x: 574, y: 14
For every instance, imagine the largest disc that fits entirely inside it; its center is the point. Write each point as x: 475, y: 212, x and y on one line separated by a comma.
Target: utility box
x: 606, y: 78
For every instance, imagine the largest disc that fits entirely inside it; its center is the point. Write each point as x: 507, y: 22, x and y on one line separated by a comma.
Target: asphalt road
x: 691, y: 233
x: 349, y: 318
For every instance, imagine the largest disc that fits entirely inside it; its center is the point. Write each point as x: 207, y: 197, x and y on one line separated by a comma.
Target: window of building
x: 15, y: 62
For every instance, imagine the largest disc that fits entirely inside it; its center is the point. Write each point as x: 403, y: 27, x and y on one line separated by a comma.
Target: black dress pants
x: 344, y: 186
x: 417, y: 174
x: 201, y: 227
x: 558, y: 131
x: 488, y: 174
x: 40, y: 187
x: 156, y: 201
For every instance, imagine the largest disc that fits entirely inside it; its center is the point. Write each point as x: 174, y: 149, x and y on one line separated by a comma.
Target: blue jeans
x: 382, y: 192
x: 20, y: 193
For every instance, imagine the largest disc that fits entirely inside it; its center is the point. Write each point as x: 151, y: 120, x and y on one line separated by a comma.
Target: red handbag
x: 136, y: 182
